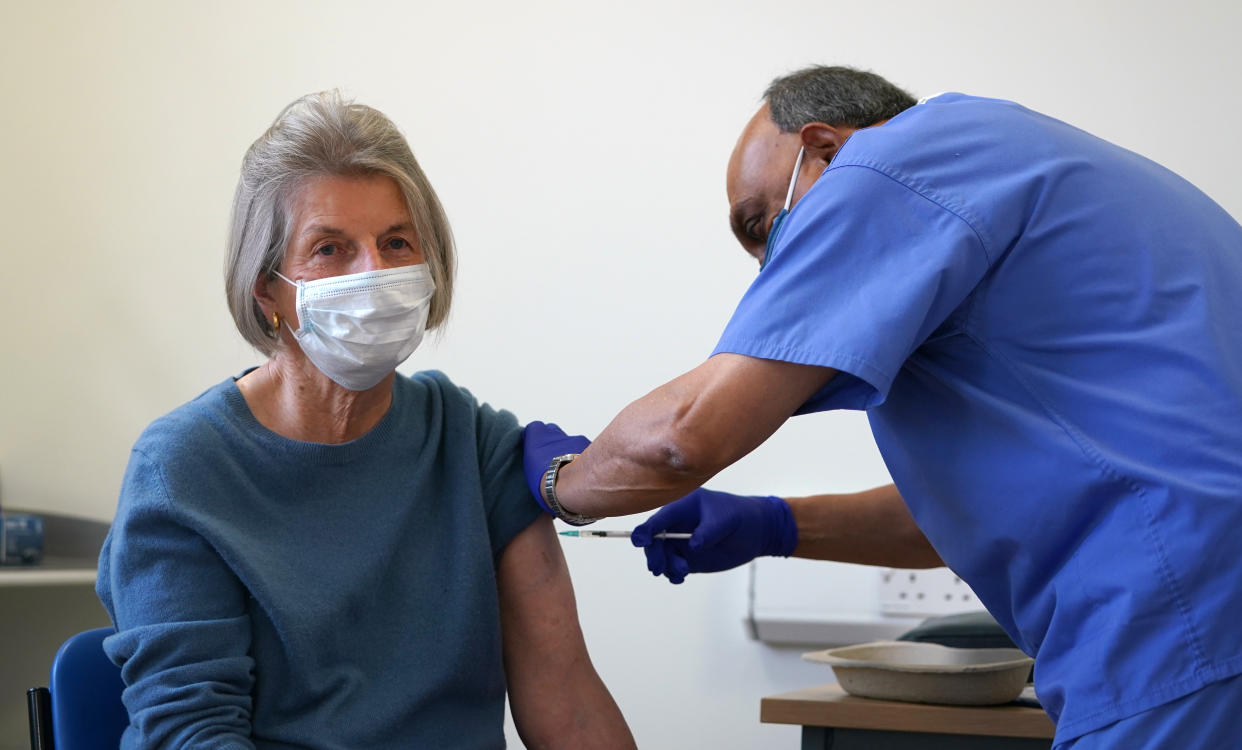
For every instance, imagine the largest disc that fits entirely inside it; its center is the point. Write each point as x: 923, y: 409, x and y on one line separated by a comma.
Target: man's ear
x: 822, y: 140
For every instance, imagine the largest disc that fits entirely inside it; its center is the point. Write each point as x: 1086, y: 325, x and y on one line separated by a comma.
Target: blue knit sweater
x: 271, y: 593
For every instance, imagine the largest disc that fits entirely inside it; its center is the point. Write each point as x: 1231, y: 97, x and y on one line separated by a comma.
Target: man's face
x: 758, y: 178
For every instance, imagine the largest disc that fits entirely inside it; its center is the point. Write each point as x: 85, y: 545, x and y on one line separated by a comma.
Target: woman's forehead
x: 368, y: 203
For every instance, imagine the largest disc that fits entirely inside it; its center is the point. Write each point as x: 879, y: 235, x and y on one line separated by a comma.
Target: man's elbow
x: 681, y: 451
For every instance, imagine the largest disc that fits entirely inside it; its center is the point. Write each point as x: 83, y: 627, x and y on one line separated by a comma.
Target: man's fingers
x: 655, y: 558
x: 678, y: 568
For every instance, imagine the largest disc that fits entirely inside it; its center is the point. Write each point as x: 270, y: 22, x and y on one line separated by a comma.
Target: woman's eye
x: 398, y: 243
x: 326, y: 249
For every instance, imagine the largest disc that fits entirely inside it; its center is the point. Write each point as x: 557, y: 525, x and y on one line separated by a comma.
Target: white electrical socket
x: 925, y: 593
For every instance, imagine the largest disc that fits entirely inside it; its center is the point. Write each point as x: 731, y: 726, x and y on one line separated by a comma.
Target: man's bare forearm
x: 870, y: 528
x: 634, y: 465
x: 680, y: 435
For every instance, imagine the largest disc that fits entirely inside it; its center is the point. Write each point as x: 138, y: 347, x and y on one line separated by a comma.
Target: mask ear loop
x: 793, y: 181
x: 298, y: 285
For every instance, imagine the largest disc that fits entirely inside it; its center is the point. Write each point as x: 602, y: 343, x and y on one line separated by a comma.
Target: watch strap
x: 548, y: 489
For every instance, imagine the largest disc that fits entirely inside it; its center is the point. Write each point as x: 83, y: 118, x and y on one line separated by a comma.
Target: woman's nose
x: 371, y: 259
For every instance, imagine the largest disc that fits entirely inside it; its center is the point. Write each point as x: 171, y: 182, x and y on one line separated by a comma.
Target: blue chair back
x: 87, y: 713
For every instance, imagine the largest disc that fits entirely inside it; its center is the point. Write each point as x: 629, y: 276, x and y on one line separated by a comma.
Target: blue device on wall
x: 21, y: 539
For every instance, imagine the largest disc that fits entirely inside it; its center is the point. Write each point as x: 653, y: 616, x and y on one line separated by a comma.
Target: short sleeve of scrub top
x: 865, y: 270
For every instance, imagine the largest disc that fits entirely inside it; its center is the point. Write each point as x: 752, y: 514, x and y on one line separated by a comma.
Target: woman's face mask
x: 358, y: 327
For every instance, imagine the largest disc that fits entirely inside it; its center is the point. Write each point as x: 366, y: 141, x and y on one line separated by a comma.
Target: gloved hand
x: 729, y: 530
x: 540, y: 444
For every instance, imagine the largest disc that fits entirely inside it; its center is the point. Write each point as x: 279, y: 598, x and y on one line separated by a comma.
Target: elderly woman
x: 320, y: 552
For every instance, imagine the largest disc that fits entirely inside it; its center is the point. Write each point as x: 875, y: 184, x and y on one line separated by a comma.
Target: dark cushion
x: 967, y: 630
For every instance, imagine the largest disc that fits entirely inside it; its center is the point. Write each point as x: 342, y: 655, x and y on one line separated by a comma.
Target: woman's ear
x: 263, y: 293
x: 822, y: 141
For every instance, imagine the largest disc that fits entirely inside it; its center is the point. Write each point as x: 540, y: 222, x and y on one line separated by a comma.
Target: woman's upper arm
x: 538, y: 612
x: 556, y: 696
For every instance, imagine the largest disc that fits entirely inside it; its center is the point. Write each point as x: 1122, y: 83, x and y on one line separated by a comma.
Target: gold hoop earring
x: 275, y: 324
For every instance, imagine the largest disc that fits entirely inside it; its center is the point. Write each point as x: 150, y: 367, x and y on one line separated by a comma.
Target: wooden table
x: 832, y: 719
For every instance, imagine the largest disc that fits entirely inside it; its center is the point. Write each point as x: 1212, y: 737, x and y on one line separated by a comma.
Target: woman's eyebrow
x: 316, y: 229
x: 321, y: 229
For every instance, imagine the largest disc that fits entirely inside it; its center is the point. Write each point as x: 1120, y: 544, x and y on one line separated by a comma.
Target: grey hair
x: 835, y: 95
x: 317, y: 135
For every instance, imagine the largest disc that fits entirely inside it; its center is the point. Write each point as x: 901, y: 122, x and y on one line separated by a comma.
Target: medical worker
x: 1045, y: 331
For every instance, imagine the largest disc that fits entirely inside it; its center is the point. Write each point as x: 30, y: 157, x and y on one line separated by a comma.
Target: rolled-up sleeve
x: 510, y: 508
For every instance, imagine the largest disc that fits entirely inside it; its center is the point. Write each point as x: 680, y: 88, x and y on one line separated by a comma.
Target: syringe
x: 597, y: 534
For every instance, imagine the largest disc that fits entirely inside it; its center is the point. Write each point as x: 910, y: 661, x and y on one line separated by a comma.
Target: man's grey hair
x: 323, y: 134
x: 834, y: 95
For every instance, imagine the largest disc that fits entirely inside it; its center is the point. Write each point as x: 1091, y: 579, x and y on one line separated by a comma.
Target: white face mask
x: 358, y: 327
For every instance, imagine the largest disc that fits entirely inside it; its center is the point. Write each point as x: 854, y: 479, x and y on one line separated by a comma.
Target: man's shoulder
x: 967, y: 152
x: 957, y: 106
x: 941, y: 125
x: 946, y: 98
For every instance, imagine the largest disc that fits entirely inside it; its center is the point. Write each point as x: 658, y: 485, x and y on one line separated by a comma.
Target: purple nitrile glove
x: 729, y: 530
x: 540, y: 444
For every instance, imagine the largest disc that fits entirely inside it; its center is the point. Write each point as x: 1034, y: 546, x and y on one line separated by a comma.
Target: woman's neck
x: 290, y: 397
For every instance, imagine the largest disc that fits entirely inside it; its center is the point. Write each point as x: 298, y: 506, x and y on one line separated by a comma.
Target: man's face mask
x: 780, y: 217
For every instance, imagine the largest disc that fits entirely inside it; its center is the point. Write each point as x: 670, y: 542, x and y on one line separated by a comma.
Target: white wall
x: 579, y: 148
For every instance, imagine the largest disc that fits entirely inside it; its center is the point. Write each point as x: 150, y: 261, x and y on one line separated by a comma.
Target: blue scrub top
x: 1046, y: 333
